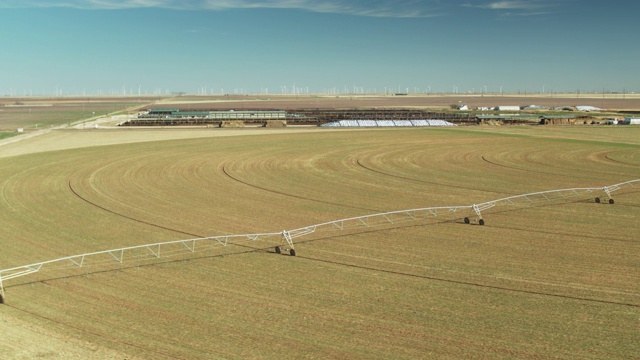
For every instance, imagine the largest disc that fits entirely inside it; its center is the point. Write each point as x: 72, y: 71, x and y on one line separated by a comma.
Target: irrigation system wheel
x: 1, y: 299
x: 597, y: 200
x: 292, y: 252
x: 466, y: 220
x: 278, y: 251
x: 611, y: 201
x: 481, y: 222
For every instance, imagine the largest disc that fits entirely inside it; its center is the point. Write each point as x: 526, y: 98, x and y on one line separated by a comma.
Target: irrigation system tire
x: 1, y: 299
x: 292, y: 252
x: 611, y: 201
x: 481, y: 222
x: 597, y: 200
x: 278, y: 251
x: 466, y: 220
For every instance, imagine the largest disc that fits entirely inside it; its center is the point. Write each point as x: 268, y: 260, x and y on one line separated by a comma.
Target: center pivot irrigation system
x: 284, y: 239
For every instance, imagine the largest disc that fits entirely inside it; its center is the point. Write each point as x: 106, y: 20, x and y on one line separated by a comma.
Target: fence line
x: 155, y: 251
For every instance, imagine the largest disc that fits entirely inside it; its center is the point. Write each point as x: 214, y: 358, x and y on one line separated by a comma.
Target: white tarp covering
x: 535, y: 107
x: 508, y: 108
x: 587, y: 108
x: 387, y: 123
x: 403, y: 123
x: 367, y: 123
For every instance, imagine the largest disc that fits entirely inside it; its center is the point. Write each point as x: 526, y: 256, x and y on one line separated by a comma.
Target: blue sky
x: 246, y: 46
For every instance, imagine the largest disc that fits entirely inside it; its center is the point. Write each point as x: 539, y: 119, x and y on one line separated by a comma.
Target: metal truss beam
x: 287, y: 236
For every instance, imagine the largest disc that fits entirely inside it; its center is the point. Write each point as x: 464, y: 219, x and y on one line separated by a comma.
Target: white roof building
x: 587, y: 108
x: 507, y: 108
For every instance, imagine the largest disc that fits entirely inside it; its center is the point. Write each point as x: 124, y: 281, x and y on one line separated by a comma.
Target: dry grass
x: 41, y: 113
x: 538, y: 282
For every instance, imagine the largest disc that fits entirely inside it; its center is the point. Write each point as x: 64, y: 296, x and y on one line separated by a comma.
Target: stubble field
x: 552, y: 281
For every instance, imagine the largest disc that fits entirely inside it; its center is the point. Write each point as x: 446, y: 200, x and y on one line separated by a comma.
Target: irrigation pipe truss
x: 155, y: 251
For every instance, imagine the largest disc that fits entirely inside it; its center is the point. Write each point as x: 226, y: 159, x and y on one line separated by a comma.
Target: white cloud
x: 512, y: 5
x: 371, y: 8
x: 518, y: 7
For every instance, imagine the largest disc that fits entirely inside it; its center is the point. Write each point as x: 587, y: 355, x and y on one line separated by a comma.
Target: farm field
x: 43, y: 113
x: 558, y: 280
x: 423, y: 101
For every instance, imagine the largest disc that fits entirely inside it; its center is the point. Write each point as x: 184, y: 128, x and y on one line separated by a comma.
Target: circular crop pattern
x: 403, y: 290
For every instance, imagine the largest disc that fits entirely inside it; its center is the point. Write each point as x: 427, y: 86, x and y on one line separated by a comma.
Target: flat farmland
x: 554, y: 280
x: 42, y: 113
x: 627, y: 102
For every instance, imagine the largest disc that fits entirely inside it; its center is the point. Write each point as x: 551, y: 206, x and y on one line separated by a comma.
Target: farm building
x: 507, y: 108
x: 175, y: 117
x: 631, y: 121
x: 508, y: 119
x: 189, y: 114
x: 161, y: 112
x: 167, y: 117
x: 252, y: 114
x: 226, y: 115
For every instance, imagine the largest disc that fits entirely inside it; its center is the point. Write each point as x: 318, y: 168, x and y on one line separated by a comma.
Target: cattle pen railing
x: 148, y: 253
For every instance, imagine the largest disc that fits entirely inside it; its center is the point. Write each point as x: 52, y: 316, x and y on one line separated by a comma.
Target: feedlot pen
x: 303, y: 117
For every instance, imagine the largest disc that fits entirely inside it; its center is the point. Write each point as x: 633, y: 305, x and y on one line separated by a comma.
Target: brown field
x: 43, y: 113
x: 613, y: 102
x: 554, y: 281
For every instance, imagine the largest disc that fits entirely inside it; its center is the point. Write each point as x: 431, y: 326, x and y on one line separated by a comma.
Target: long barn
x: 177, y: 117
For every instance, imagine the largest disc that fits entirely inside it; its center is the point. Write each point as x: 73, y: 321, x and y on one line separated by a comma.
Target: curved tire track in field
x: 468, y: 283
x: 526, y: 170
x: 146, y: 222
x: 226, y: 173
x: 615, y: 162
x: 126, y: 216
x: 427, y: 182
x: 628, y: 205
x: 529, y: 230
x: 451, y: 281
x: 621, y: 162
x: 104, y: 336
x: 515, y: 168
